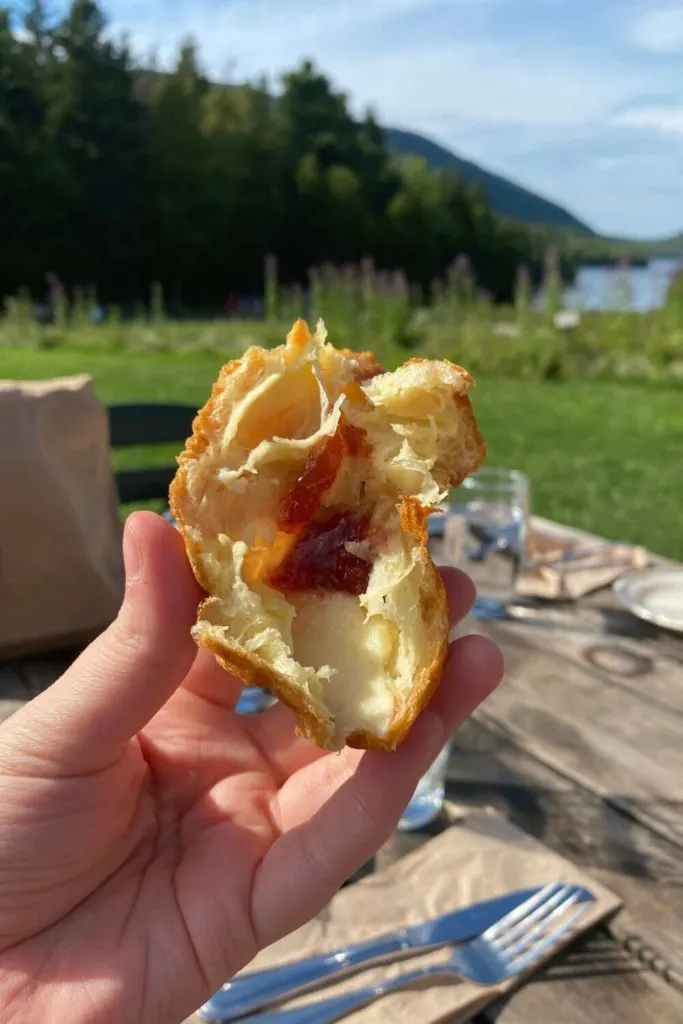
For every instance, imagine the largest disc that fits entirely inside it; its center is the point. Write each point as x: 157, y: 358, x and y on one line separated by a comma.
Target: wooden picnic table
x: 582, y: 747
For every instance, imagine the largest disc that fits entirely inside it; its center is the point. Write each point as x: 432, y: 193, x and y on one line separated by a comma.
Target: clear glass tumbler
x: 486, y: 534
x: 427, y: 801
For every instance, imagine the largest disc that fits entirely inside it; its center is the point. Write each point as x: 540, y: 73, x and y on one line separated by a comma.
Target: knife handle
x: 326, y: 1011
x: 257, y: 989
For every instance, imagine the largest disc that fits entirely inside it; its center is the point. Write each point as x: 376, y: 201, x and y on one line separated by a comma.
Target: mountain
x: 513, y: 201
x: 662, y: 248
x: 506, y: 198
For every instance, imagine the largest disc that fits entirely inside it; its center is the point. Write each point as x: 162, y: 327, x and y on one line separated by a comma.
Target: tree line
x: 115, y: 176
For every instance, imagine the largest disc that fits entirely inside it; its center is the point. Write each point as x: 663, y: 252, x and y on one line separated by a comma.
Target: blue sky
x: 580, y: 100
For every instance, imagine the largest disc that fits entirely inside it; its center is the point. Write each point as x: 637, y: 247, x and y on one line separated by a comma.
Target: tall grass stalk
x: 365, y: 308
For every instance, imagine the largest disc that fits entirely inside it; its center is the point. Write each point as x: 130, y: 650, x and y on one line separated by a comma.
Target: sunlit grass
x: 603, y: 456
x: 364, y: 308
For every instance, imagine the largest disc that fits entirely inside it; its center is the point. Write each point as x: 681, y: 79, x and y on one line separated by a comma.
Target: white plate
x: 655, y: 595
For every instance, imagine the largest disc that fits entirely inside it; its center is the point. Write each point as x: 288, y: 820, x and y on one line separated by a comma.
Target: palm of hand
x: 143, y: 872
x: 168, y: 840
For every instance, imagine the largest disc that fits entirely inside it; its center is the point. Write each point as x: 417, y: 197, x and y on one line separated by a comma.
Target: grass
x: 366, y: 308
x: 604, y: 456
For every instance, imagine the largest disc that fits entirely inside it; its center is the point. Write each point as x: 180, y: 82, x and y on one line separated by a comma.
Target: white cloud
x: 414, y: 85
x: 659, y: 29
x: 262, y: 35
x: 489, y: 85
x: 610, y: 163
x: 666, y: 120
x: 483, y: 83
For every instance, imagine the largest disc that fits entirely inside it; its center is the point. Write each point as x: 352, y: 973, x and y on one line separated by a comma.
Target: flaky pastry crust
x: 424, y: 440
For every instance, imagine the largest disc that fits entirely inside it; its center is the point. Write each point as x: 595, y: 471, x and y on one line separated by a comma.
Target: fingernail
x: 132, y: 554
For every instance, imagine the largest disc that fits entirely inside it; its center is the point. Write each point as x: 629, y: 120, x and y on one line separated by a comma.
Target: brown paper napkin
x: 482, y: 856
x: 568, y: 567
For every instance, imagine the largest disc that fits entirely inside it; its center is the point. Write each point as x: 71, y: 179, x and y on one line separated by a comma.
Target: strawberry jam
x: 318, y: 557
x: 355, y: 438
x: 320, y: 560
x: 300, y: 502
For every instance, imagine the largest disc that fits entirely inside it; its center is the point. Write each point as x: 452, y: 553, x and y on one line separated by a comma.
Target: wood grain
x: 644, y: 869
x: 594, y: 983
x: 634, y: 660
x: 626, y: 750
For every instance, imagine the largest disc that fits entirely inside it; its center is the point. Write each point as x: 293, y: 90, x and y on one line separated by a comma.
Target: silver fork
x: 515, y: 944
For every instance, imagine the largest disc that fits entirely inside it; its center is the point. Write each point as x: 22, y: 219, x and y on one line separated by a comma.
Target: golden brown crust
x: 253, y: 671
x: 475, y: 443
x: 242, y: 375
x: 434, y: 606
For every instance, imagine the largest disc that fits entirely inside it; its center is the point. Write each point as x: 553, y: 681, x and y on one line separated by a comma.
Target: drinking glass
x: 427, y: 801
x: 486, y: 532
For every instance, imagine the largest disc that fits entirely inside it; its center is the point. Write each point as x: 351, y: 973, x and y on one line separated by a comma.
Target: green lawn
x: 603, y: 456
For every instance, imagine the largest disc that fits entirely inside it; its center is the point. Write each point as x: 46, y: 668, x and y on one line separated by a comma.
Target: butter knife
x: 258, y: 989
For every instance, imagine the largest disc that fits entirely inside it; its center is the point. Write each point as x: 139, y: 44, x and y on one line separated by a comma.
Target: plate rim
x: 620, y: 586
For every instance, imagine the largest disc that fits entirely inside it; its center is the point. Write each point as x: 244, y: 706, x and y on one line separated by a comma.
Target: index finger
x: 335, y: 813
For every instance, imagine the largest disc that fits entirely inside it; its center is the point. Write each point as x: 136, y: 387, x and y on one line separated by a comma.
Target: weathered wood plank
x: 639, y: 866
x: 645, y: 870
x: 642, y: 868
x: 610, y: 645
x: 594, y: 983
x: 626, y: 750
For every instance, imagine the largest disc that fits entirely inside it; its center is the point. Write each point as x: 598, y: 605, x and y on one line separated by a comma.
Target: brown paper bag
x: 482, y: 856
x: 61, y: 573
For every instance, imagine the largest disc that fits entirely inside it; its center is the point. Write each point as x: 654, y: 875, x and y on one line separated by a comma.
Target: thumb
x: 86, y: 718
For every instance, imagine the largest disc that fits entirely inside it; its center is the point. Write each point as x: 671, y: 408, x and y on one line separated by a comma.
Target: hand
x: 151, y: 839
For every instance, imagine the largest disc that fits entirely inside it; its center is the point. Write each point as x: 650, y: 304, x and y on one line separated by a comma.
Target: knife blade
x: 255, y: 990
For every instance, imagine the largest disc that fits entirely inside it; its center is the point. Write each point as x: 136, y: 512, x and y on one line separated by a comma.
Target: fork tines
x: 525, y: 935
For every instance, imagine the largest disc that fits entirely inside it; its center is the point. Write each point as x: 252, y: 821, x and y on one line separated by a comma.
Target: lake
x: 612, y: 287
